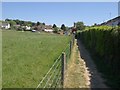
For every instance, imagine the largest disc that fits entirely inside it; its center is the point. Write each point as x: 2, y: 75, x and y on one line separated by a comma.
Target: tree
x: 43, y: 24
x: 119, y: 24
x: 25, y: 23
x: 38, y: 23
x: 63, y: 27
x: 95, y: 24
x: 80, y: 26
x: 55, y: 29
x: 17, y: 21
x: 33, y: 24
x: 12, y: 23
x: 29, y: 25
x: 54, y: 26
x: 7, y: 19
x: 22, y: 23
x: 67, y: 28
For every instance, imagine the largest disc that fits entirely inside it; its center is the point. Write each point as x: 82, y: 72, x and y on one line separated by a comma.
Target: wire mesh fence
x: 55, y: 76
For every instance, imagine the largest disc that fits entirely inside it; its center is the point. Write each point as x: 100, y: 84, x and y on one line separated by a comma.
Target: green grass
x: 28, y: 56
x: 0, y: 59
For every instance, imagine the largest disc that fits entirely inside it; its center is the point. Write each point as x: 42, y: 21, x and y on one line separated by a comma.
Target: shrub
x: 104, y: 44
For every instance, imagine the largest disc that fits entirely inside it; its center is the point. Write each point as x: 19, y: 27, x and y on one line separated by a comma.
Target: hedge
x: 104, y: 44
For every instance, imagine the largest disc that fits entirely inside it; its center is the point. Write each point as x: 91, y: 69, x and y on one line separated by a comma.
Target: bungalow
x: 27, y: 27
x: 17, y: 26
x: 112, y: 22
x: 39, y: 27
x: 48, y: 28
x: 5, y: 25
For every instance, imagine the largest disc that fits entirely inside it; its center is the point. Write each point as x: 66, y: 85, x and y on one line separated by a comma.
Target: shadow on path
x: 96, y: 81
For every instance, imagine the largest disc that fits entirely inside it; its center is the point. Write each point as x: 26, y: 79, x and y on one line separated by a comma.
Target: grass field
x: 0, y: 59
x: 28, y: 56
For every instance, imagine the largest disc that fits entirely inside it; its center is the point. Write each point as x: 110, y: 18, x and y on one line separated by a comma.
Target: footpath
x: 81, y: 71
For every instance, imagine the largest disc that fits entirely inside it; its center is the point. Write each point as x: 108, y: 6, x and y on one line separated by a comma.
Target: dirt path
x: 76, y: 75
x: 82, y: 72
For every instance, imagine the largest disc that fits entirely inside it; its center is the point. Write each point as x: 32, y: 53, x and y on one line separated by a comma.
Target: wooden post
x: 70, y: 47
x: 63, y: 68
x: 73, y: 39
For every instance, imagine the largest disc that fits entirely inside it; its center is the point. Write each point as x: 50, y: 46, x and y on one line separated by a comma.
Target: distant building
x: 48, y: 28
x: 113, y: 22
x: 5, y: 25
x: 27, y: 27
x: 16, y: 25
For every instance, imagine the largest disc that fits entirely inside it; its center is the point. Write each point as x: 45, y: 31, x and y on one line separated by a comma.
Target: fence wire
x: 53, y: 77
x: 50, y: 78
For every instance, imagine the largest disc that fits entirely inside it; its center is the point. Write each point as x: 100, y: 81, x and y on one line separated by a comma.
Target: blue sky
x: 119, y: 8
x: 60, y: 12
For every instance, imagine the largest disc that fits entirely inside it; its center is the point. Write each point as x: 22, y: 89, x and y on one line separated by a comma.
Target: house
x: 27, y: 28
x: 48, y: 28
x: 39, y: 27
x: 5, y: 25
x: 16, y: 26
x: 113, y: 22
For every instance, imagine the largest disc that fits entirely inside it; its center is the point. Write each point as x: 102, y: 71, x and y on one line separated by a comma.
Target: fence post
x: 73, y: 39
x: 63, y: 68
x: 70, y: 47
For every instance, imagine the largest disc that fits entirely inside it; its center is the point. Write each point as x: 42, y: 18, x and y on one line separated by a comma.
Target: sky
x: 60, y: 12
x: 119, y: 8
